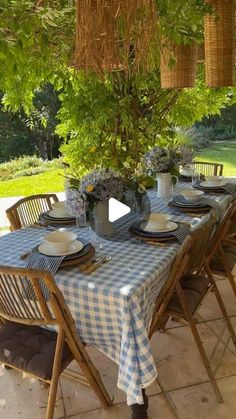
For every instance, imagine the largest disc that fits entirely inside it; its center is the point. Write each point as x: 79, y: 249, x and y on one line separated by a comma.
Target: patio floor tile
x: 78, y: 398
x: 158, y: 408
x: 199, y: 401
x: 24, y: 398
x: 178, y: 361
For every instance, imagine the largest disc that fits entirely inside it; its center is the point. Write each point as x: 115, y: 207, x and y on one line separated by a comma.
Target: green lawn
x: 50, y: 181
x: 221, y: 152
x: 53, y: 181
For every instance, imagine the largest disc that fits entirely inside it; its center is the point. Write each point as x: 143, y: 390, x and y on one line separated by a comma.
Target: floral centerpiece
x: 75, y: 201
x: 94, y: 191
x: 163, y: 162
x: 101, y: 185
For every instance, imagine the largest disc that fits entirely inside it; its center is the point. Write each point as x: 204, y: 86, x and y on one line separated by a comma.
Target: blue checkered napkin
x: 50, y: 264
x: 213, y: 204
x: 182, y: 232
x: 42, y: 262
x: 230, y: 188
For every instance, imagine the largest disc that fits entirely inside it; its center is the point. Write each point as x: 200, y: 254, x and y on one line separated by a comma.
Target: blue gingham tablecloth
x: 113, y: 306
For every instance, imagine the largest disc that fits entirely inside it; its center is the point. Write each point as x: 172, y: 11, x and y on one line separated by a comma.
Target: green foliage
x: 107, y: 121
x: 26, y: 166
x: 36, y: 44
x: 34, y: 134
x: 181, y: 20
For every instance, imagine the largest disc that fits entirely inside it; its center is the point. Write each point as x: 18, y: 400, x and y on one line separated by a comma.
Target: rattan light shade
x: 220, y: 44
x: 178, y: 65
x: 115, y: 34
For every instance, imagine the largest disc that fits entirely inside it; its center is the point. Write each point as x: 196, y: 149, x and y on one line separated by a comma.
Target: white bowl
x: 188, y: 171
x: 214, y: 180
x: 190, y: 195
x: 60, y: 209
x: 158, y: 220
x: 59, y: 241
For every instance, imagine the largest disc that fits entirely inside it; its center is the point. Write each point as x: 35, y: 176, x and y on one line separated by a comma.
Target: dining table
x: 113, y: 306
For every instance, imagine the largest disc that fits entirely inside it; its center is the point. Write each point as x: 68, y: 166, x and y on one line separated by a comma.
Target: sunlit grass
x: 50, y: 181
x: 220, y: 152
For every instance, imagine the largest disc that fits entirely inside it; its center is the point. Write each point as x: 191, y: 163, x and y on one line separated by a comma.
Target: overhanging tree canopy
x: 118, y: 118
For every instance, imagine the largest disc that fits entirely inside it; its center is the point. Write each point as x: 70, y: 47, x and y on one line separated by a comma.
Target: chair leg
x: 221, y: 304
x: 55, y: 374
x: 227, y: 270
x: 198, y: 342
x: 90, y: 372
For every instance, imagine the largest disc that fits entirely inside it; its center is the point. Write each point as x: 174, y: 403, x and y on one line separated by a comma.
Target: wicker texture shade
x: 178, y: 65
x: 220, y: 44
x: 115, y: 34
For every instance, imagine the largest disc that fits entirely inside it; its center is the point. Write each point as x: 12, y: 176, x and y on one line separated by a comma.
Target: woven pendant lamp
x: 178, y: 65
x: 219, y: 44
x: 114, y: 34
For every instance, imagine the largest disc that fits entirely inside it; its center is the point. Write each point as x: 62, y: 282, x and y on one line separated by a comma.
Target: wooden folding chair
x: 30, y: 301
x: 221, y: 257
x: 187, y: 293
x: 26, y: 211
x: 209, y: 169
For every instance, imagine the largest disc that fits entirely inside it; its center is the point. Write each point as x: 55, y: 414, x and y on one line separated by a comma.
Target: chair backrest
x: 201, y: 238
x: 177, y: 271
x: 209, y: 169
x: 222, y: 230
x: 26, y: 211
x: 26, y: 296
x: 31, y: 297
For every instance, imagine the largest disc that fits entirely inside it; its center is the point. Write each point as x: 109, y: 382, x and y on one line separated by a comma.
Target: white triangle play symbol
x: 117, y: 209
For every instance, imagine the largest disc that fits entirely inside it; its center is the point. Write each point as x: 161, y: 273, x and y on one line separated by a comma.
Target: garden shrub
x: 26, y: 166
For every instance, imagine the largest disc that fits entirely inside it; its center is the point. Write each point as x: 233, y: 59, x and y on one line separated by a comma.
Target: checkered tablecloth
x: 113, y: 306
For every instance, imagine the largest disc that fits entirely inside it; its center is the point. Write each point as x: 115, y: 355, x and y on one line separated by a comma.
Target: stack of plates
x: 77, y: 253
x: 207, y: 187
x: 183, y: 178
x: 51, y: 217
x: 140, y: 229
x: 178, y: 202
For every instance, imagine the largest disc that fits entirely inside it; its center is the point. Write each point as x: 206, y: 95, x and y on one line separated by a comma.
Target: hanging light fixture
x: 178, y: 65
x: 115, y: 34
x: 220, y: 44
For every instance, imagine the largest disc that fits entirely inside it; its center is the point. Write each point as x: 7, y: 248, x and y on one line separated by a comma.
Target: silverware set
x: 90, y: 266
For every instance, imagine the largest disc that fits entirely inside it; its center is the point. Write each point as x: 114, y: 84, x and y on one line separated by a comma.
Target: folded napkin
x: 50, y: 264
x: 42, y: 262
x: 230, y: 188
x: 182, y: 232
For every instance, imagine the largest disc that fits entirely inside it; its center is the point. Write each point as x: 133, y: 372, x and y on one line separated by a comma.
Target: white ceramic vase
x: 101, y: 219
x: 164, y: 184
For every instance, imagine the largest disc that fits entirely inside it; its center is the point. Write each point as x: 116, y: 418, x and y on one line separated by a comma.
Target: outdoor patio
x: 182, y: 390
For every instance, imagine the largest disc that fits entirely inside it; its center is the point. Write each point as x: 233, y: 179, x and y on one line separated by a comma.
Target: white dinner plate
x: 54, y: 214
x: 170, y: 226
x: 75, y: 247
x: 207, y: 184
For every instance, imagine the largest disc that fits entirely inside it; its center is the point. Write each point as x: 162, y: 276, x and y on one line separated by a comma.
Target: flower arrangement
x: 103, y: 184
x: 164, y: 160
x: 75, y: 202
x: 186, y: 155
x: 99, y: 185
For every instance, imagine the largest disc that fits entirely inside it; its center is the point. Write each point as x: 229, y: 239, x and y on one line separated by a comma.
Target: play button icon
x: 117, y: 209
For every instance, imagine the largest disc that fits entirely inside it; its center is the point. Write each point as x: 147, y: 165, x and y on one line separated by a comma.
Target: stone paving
x: 182, y: 390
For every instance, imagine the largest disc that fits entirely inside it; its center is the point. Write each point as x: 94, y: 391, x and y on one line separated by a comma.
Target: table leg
x: 139, y: 411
